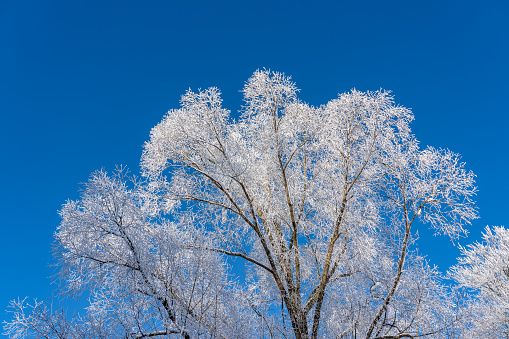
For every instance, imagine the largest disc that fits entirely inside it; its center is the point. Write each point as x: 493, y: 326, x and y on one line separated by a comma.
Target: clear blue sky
x: 83, y: 82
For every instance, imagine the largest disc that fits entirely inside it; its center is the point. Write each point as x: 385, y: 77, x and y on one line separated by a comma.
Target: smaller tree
x: 145, y: 277
x: 485, y: 268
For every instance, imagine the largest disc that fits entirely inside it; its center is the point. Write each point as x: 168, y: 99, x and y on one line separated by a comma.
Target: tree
x: 484, y: 267
x: 320, y: 204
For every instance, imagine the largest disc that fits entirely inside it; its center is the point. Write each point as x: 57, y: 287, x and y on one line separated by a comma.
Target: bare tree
x: 484, y: 268
x: 321, y: 203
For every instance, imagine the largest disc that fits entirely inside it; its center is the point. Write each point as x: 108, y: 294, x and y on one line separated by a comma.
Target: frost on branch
x: 484, y: 267
x: 146, y: 276
x: 317, y: 206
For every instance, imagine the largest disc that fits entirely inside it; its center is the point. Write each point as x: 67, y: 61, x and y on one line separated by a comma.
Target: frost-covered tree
x: 484, y: 267
x: 316, y: 206
x: 146, y: 275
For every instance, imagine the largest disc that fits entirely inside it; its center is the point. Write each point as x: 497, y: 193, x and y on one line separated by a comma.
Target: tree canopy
x: 289, y: 221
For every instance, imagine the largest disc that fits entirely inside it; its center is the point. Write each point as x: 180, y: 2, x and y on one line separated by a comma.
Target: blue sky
x: 83, y: 82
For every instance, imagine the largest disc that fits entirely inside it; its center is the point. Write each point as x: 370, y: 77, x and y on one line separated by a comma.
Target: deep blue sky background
x: 83, y: 82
